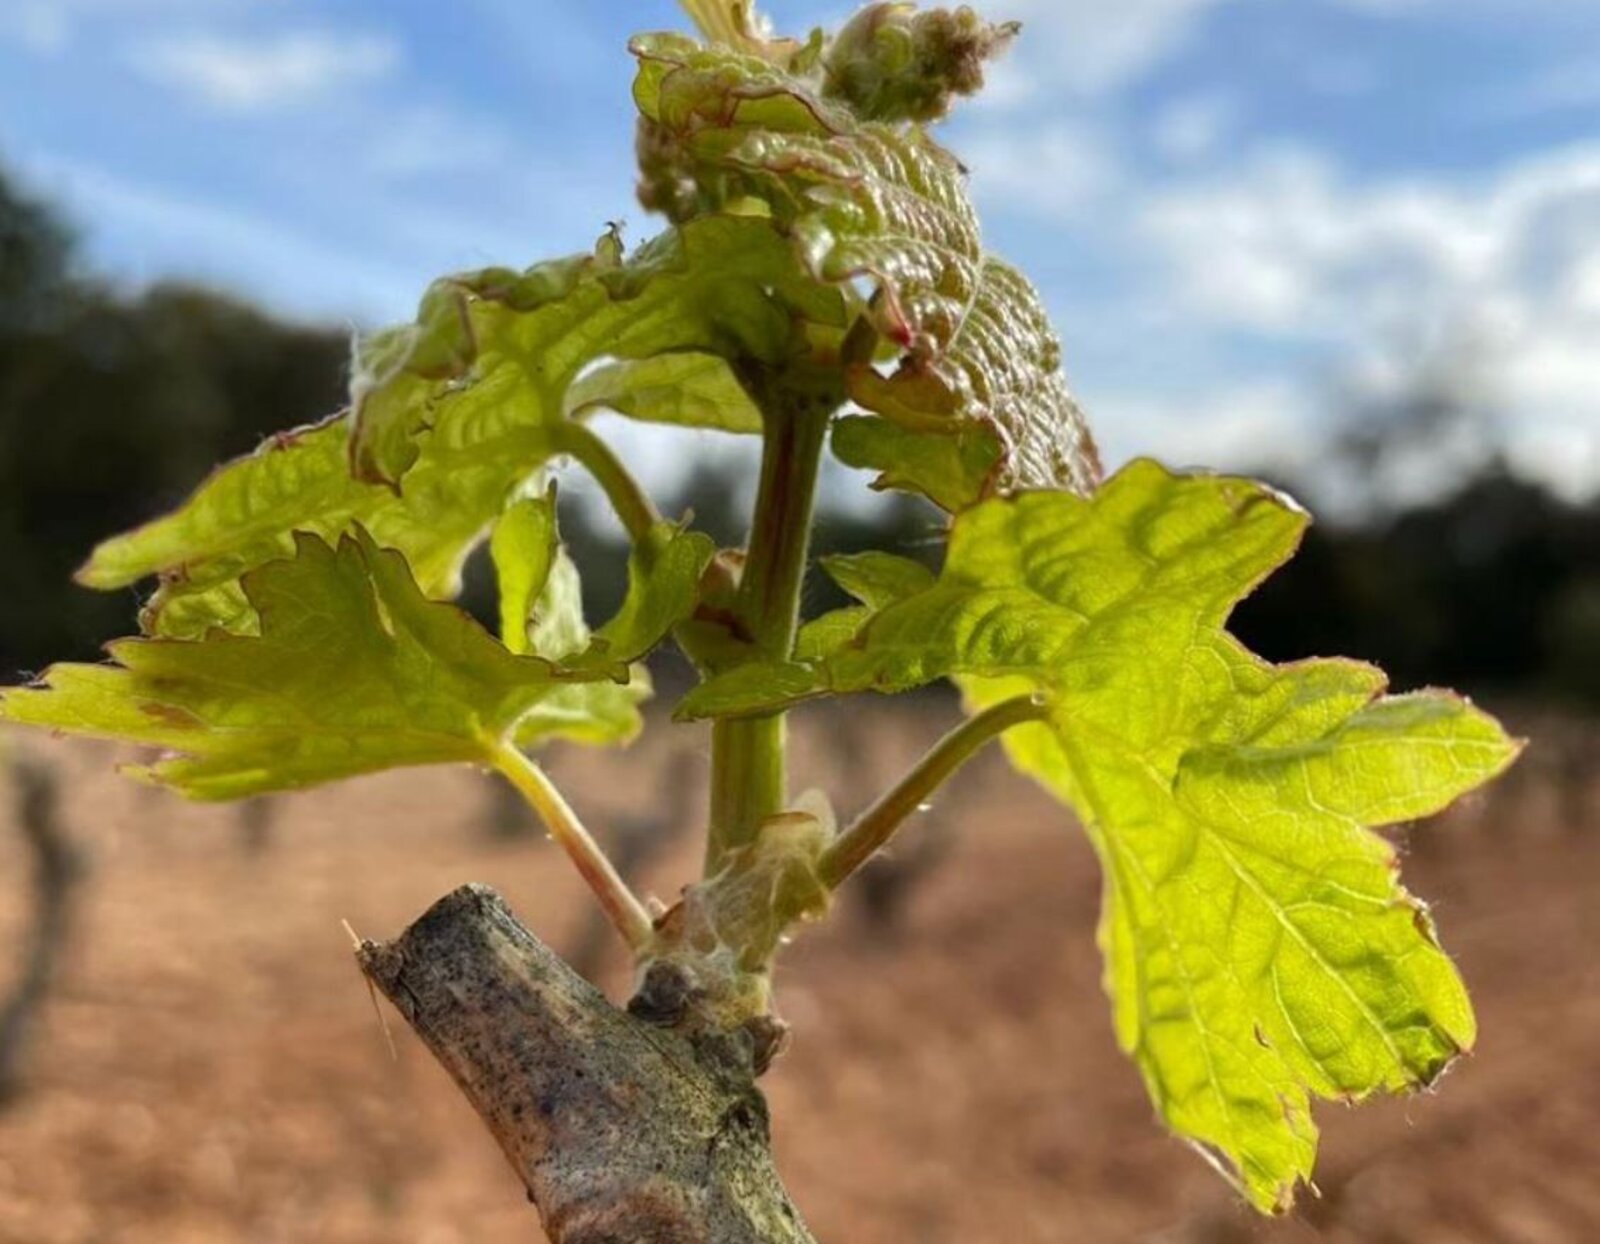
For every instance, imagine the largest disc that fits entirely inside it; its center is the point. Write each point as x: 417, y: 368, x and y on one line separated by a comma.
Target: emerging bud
x: 893, y: 63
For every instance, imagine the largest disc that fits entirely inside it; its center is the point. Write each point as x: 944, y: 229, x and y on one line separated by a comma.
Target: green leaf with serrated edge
x: 245, y: 514
x: 1000, y: 371
x: 476, y: 437
x: 600, y: 714
x: 502, y: 347
x: 1259, y: 948
x: 885, y: 203
x: 821, y: 636
x: 953, y: 471
x: 354, y: 671
x: 663, y: 590
x: 877, y: 578
x: 523, y: 548
x: 691, y: 390
x: 756, y: 688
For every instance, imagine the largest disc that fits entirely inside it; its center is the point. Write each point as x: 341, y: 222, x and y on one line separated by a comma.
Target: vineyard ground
x: 211, y: 1068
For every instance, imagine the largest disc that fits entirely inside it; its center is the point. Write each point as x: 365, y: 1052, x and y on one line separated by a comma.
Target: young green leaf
x: 524, y: 548
x: 466, y: 406
x: 354, y: 671
x: 601, y: 714
x: 952, y: 470
x: 877, y: 579
x: 499, y: 349
x: 893, y: 63
x: 692, y: 390
x: 1259, y: 948
x: 247, y: 511
x: 663, y: 590
x: 999, y: 372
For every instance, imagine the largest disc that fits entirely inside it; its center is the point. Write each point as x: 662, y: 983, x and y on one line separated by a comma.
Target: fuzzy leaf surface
x: 1259, y: 948
x: 354, y: 671
x: 498, y: 348
x: 883, y: 203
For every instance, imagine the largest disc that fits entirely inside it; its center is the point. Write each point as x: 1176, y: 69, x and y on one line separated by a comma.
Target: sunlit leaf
x: 354, y: 671
x: 877, y: 578
x: 663, y: 590
x: 461, y: 408
x: 1000, y: 371
x: 953, y: 471
x: 693, y: 390
x: 498, y: 349
x: 1259, y: 948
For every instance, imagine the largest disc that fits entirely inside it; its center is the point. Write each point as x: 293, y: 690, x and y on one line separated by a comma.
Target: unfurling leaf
x: 978, y: 361
x: 1259, y: 948
x: 498, y: 349
x: 663, y: 590
x: 893, y: 63
x: 1000, y: 372
x: 354, y: 671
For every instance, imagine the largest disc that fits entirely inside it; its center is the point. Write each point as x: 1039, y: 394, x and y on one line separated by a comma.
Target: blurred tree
x: 1489, y: 585
x: 34, y: 250
x: 111, y: 409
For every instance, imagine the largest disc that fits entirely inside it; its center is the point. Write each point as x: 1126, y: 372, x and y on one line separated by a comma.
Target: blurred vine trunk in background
x: 56, y: 872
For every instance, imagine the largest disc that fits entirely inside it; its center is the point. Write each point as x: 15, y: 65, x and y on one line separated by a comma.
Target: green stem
x: 633, y: 507
x: 768, y: 603
x: 621, y: 906
x: 874, y: 827
x: 749, y: 779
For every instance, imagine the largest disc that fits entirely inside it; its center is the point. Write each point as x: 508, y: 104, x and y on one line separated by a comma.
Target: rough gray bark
x: 622, y: 1131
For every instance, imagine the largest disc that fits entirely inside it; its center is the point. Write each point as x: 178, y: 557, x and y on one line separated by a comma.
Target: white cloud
x: 1192, y: 129
x: 1090, y: 47
x: 1056, y: 169
x: 429, y: 140
x: 281, y: 71
x: 1246, y: 426
x: 1287, y: 251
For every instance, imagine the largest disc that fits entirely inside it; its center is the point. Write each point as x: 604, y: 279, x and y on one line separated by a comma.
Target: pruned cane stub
x: 622, y: 1130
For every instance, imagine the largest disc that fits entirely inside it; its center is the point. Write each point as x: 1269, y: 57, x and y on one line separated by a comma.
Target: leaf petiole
x: 874, y: 827
x: 621, y: 906
x: 631, y: 504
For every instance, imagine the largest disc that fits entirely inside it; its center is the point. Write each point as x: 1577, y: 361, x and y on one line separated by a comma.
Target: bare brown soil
x: 211, y: 1068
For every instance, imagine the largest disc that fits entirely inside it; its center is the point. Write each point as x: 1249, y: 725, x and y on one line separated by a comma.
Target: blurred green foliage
x: 111, y: 408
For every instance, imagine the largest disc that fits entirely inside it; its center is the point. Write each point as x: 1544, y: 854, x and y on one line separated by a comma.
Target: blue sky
x: 1247, y: 215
